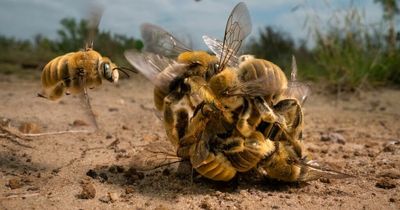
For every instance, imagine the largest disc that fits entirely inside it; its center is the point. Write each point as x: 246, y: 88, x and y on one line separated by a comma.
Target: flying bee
x: 74, y: 72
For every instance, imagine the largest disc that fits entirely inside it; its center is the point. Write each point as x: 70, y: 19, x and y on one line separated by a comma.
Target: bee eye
x: 107, y: 71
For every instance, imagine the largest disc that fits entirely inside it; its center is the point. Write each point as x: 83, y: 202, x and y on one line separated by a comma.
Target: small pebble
x: 91, y: 173
x: 113, y: 197
x: 88, y: 191
x: 15, y: 183
x: 385, y: 184
x: 78, y: 123
x: 29, y: 127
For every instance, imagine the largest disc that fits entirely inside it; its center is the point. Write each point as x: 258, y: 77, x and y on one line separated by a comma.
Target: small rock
x: 335, y: 137
x: 108, y: 136
x: 385, y: 184
x: 91, y: 173
x: 105, y: 199
x: 205, y: 204
x: 15, y: 183
x: 103, y: 177
x: 124, y: 127
x: 393, y: 174
x: 275, y: 207
x: 150, y: 137
x: 88, y: 191
x: 325, y: 180
x: 116, y: 169
x: 161, y: 207
x: 129, y: 190
x: 390, y: 146
x: 29, y: 127
x: 392, y: 200
x: 113, y: 197
x: 5, y: 122
x: 113, y: 109
x: 78, y: 123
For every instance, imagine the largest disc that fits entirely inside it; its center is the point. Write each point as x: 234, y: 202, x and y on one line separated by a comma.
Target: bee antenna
x: 122, y: 70
x: 128, y: 69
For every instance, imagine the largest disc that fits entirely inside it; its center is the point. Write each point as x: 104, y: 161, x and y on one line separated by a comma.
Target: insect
x: 74, y: 72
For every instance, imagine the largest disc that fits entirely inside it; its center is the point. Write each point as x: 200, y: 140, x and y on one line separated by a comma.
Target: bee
x: 289, y: 162
x: 75, y: 72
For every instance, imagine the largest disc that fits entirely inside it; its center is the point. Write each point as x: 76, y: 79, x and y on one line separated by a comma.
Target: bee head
x: 109, y: 70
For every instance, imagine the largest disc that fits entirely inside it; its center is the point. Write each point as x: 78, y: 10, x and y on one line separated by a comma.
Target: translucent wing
x: 158, y: 69
x: 93, y: 20
x: 215, y: 46
x: 296, y: 89
x: 238, y: 27
x: 159, y: 41
x: 312, y: 170
x: 262, y: 86
x: 155, y: 155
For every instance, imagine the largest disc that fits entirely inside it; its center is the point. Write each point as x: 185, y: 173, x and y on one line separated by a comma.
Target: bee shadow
x: 169, y: 182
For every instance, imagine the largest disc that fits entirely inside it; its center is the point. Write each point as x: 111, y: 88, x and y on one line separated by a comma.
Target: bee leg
x: 267, y: 113
x: 57, y: 92
x: 200, y: 86
x: 196, y: 126
x: 292, y: 112
x: 242, y: 125
x: 169, y: 119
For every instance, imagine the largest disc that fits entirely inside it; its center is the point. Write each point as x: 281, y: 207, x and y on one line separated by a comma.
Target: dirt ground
x: 358, y: 135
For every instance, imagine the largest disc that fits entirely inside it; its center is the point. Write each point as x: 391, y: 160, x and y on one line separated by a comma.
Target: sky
x: 185, y: 18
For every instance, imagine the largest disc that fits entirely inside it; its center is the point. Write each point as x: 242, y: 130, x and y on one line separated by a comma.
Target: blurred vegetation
x: 345, y: 53
x: 72, y: 36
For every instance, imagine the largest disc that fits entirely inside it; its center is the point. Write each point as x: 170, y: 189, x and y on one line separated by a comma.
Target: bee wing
x: 312, y: 170
x: 238, y: 27
x: 158, y: 69
x: 215, y: 46
x: 259, y: 87
x: 93, y: 20
x: 159, y: 41
x: 155, y: 155
x: 296, y: 89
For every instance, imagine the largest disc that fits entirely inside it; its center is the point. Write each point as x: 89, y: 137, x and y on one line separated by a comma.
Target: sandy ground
x: 359, y: 135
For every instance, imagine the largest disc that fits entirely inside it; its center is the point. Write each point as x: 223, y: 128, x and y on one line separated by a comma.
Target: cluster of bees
x: 225, y: 113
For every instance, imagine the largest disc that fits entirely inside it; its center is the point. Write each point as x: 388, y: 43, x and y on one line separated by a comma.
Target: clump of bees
x: 228, y: 113
x: 225, y: 113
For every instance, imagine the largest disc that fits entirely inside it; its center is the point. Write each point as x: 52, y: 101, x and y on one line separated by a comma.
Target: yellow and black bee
x: 76, y: 71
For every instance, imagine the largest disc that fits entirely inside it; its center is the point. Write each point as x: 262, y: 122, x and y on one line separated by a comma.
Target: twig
x: 19, y: 195
x: 57, y: 133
